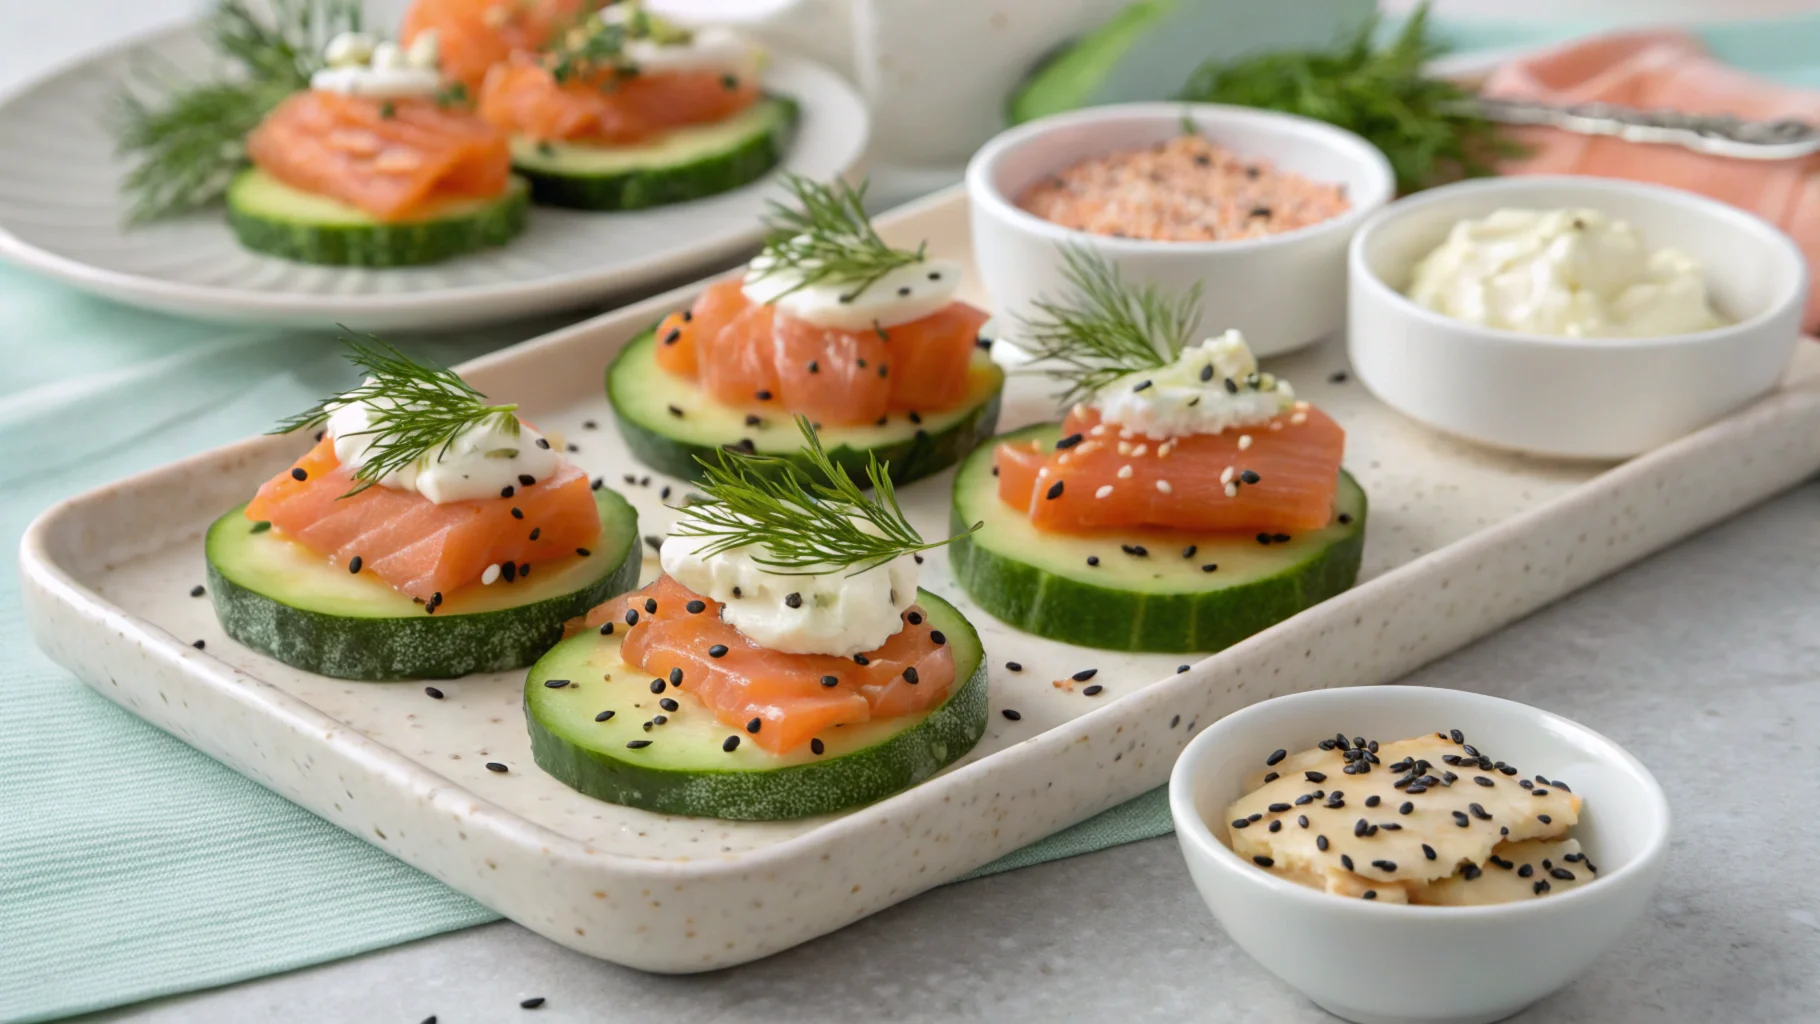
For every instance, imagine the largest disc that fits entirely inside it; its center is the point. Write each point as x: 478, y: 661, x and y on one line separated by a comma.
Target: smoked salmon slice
x: 419, y: 547
x: 787, y: 693
x: 746, y: 354
x: 1284, y: 474
x: 395, y: 159
x: 522, y: 97
x: 474, y: 35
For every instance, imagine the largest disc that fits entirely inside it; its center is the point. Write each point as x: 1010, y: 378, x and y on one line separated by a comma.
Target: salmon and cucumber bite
x: 376, y: 164
x: 828, y: 322
x: 625, y: 110
x: 428, y: 534
x: 1187, y: 499
x: 474, y: 35
x: 785, y: 664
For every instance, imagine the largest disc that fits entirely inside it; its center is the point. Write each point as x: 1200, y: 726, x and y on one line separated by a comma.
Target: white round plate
x: 61, y: 213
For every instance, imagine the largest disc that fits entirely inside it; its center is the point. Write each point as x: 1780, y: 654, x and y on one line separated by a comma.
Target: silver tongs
x: 1720, y: 135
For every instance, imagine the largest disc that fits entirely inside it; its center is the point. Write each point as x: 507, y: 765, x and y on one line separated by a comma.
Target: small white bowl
x: 1284, y: 291
x: 1593, y: 398
x: 1380, y: 963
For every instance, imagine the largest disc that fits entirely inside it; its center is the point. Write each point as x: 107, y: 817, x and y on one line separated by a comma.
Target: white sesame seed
x: 1228, y: 474
x: 1163, y: 450
x: 1232, y: 490
x: 1301, y: 407
x: 1163, y: 485
x: 1124, y: 449
x: 491, y: 574
x: 1104, y: 491
x: 1124, y: 473
x: 1099, y: 430
x: 1062, y: 460
x: 1299, y: 418
x: 1139, y: 450
x: 1276, y: 424
x: 1244, y: 441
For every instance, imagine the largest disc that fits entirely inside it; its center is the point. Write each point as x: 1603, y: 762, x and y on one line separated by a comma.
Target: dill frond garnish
x: 802, y: 522
x: 595, y: 46
x: 1423, y: 123
x: 1105, y: 328
x: 416, y: 408
x: 827, y: 237
x: 186, y: 136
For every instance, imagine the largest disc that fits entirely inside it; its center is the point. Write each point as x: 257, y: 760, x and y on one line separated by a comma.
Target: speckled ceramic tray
x: 1460, y: 542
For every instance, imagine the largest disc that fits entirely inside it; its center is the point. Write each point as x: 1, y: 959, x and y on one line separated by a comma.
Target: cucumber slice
x: 277, y: 596
x: 1162, y: 601
x: 686, y: 770
x: 643, y: 395
x: 685, y: 164
x: 271, y: 217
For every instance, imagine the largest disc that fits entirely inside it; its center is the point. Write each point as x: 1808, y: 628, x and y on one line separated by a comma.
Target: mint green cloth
x: 131, y: 865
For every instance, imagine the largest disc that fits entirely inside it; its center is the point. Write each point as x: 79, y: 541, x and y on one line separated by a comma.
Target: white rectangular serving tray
x: 1460, y: 541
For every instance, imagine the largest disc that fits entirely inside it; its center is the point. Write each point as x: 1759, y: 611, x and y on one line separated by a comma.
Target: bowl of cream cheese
x: 1570, y: 317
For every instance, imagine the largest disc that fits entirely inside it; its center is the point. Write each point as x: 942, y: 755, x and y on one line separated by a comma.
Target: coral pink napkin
x: 1668, y: 69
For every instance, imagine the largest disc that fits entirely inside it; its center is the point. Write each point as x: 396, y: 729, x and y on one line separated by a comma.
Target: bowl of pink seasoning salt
x: 1254, y: 207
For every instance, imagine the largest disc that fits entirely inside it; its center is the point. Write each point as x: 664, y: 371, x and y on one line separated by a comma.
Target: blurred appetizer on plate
x: 359, y: 154
x: 430, y: 532
x: 829, y: 322
x: 785, y: 664
x: 626, y: 110
x: 1187, y: 499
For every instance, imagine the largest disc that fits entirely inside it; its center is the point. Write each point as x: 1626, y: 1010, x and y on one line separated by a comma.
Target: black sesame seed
x: 1346, y: 862
x: 434, y: 693
x: 914, y: 618
x: 1240, y: 823
x: 526, y: 479
x: 1479, y: 812
x: 657, y: 686
x: 793, y: 600
x: 1012, y: 666
x: 197, y: 590
x: 1482, y: 780
x: 717, y: 651
x: 1135, y: 550
x: 651, y: 605
x: 199, y: 644
x: 1429, y: 851
x: 298, y: 474
x: 1470, y: 872
x: 603, y: 716
x: 1320, y: 843
x: 672, y: 337
x: 518, y: 513
x: 536, y: 532
x: 1386, y: 866
x: 556, y: 684
x: 637, y: 744
x: 583, y: 552
x: 755, y: 724
x: 1406, y: 808
x: 1085, y: 674
x: 631, y: 613
x: 815, y: 746
x: 937, y: 637
x: 1262, y: 861
x: 1054, y: 492
x: 910, y: 675
x: 1011, y: 714
x: 674, y: 411
x: 1314, y: 776
x: 1562, y: 873
x: 495, y: 766
x: 1460, y: 819
x: 1544, y: 819
x: 1070, y: 441
x: 1526, y: 870
x: 1093, y: 691
x: 1093, y: 559
x: 1276, y: 756
x: 1232, y: 386
x: 1345, y: 518
x: 1456, y: 736
x: 676, y: 677
x: 535, y: 1001
x: 1179, y: 669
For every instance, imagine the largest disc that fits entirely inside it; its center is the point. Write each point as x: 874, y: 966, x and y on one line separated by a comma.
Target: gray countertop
x: 1704, y: 661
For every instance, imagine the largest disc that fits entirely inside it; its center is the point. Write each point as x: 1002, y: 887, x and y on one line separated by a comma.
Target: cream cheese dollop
x: 833, y: 611
x: 1209, y: 388
x: 674, y: 48
x: 481, y: 462
x: 1572, y: 273
x: 360, y: 66
x: 903, y: 294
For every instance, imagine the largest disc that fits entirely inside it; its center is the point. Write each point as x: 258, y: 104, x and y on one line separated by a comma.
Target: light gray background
x: 1704, y: 661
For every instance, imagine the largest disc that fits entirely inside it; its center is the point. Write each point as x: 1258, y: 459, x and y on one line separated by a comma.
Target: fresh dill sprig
x: 595, y: 46
x: 416, y: 408
x: 187, y: 137
x: 799, y: 524
x: 827, y: 237
x: 1105, y: 328
x: 1422, y: 123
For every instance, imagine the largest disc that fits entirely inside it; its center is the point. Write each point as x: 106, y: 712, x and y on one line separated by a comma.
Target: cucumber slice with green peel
x: 271, y: 217
x: 684, y: 164
x: 277, y: 596
x: 668, y: 422
x: 686, y: 769
x: 1165, y: 599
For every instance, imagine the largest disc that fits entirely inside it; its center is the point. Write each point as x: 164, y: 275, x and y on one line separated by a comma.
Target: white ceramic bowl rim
x: 1530, y: 186
x: 1194, y: 828
x: 982, y: 170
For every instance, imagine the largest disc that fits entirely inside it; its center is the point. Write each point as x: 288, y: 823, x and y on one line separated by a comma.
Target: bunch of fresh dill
x: 187, y: 137
x: 1424, y: 124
